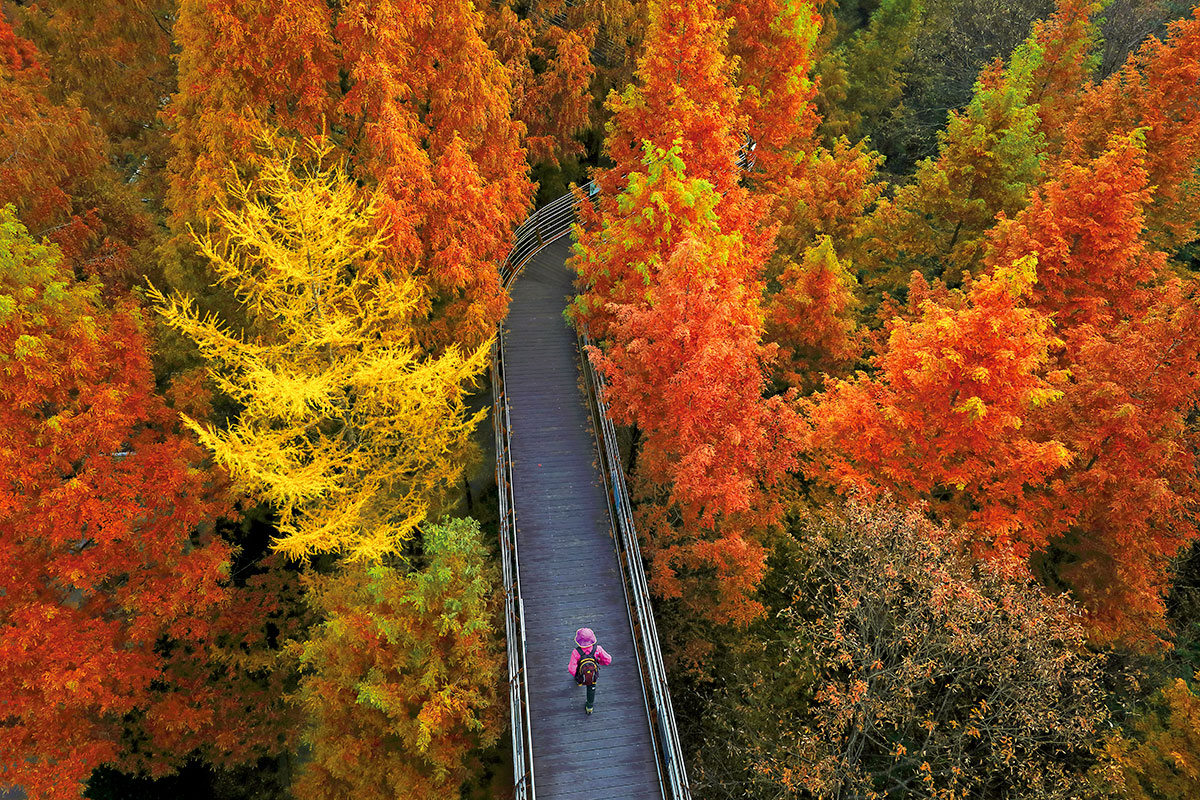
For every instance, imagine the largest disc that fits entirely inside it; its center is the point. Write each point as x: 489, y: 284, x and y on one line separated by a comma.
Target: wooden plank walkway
x: 570, y: 577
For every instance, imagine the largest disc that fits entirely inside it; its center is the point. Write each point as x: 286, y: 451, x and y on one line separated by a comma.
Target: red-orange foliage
x: 1131, y: 344
x: 237, y: 689
x: 1155, y: 89
x: 773, y: 42
x: 242, y: 65
x: 811, y: 317
x: 620, y: 252
x: 671, y: 270
x: 684, y: 106
x: 1074, y: 441
x: 110, y: 566
x: 686, y: 365
x: 683, y: 96
x: 434, y: 106
x: 1086, y: 230
x: 943, y: 419
x: 1061, y: 57
x: 554, y: 102
x: 114, y: 59
x: 54, y: 169
x: 811, y: 191
x: 1131, y: 493
x: 558, y: 104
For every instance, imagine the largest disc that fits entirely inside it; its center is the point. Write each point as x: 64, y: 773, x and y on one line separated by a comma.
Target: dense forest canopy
x: 897, y: 303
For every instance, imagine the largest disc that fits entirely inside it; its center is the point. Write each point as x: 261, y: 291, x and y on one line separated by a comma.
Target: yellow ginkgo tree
x: 345, y: 425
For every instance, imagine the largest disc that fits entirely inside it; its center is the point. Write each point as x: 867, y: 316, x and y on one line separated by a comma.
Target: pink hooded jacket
x: 587, y: 640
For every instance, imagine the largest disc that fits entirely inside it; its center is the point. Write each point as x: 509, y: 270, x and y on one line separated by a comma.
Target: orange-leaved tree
x: 550, y: 64
x: 412, y: 99
x: 241, y: 65
x: 1130, y: 344
x: 1086, y: 228
x: 112, y: 573
x: 943, y: 418
x: 773, y: 43
x: 1155, y: 90
x: 684, y: 94
x: 809, y: 190
x: 1070, y: 444
x: 830, y: 194
x: 115, y: 58
x: 431, y: 107
x: 681, y: 338
x: 683, y: 103
x: 812, y: 317
x: 1064, y: 55
x: 686, y: 364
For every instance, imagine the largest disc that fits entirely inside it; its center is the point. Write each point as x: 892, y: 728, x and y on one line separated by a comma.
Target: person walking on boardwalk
x: 586, y: 659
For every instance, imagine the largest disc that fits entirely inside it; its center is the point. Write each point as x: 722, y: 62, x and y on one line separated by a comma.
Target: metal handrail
x: 659, y: 709
x: 514, y: 607
x: 544, y: 226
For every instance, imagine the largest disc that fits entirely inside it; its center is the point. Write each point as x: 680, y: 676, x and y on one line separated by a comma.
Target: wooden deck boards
x: 570, y: 577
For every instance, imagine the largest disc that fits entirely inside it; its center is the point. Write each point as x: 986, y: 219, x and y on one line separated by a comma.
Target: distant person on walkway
x: 586, y: 659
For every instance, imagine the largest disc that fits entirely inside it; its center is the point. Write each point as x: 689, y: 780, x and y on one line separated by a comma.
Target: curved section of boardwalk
x: 570, y: 576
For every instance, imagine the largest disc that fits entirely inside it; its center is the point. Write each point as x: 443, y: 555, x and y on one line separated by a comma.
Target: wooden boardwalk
x: 570, y: 577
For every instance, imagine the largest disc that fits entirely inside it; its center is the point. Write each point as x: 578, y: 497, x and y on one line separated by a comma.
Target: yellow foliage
x: 346, y: 427
x: 1021, y: 276
x: 1157, y: 755
x: 973, y: 406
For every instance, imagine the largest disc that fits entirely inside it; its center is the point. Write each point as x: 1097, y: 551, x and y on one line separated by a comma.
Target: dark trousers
x: 591, y: 695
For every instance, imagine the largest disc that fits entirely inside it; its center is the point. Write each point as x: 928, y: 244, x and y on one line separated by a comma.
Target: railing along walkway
x: 569, y: 549
x: 570, y: 576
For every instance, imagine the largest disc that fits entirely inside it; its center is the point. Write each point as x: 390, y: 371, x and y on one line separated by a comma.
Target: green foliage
x: 989, y: 158
x: 863, y: 78
x: 403, y: 680
x: 39, y: 279
x: 956, y: 41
